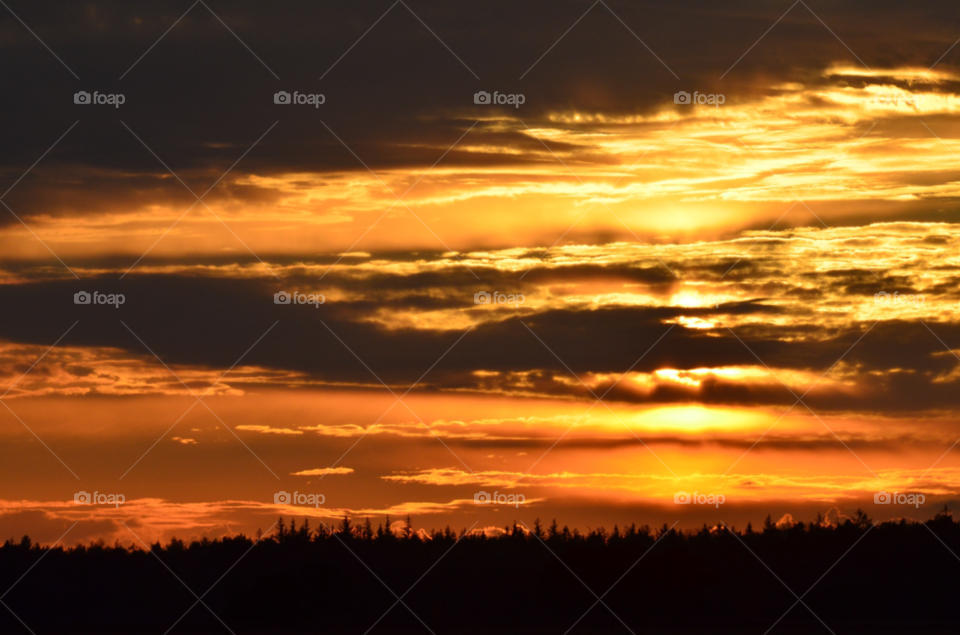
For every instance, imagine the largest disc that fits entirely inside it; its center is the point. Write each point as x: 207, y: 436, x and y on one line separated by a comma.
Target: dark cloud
x: 200, y: 99
x: 209, y: 323
x: 399, y: 98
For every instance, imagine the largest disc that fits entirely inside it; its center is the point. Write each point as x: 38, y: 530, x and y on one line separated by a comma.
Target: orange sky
x: 756, y: 300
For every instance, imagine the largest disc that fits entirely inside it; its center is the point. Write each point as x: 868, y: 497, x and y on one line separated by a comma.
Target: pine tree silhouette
x: 310, y: 573
x: 345, y: 530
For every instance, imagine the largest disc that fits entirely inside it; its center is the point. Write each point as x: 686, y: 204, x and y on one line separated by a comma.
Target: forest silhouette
x: 853, y: 577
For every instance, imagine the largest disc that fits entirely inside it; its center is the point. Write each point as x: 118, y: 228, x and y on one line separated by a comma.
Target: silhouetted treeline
x: 890, y: 577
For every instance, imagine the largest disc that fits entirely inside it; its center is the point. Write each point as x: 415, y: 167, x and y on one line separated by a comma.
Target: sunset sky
x: 755, y: 298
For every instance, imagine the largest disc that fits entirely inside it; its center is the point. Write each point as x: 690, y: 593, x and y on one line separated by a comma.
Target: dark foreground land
x: 856, y: 578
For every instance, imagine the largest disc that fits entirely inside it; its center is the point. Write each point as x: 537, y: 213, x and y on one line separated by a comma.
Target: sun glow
x: 697, y: 419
